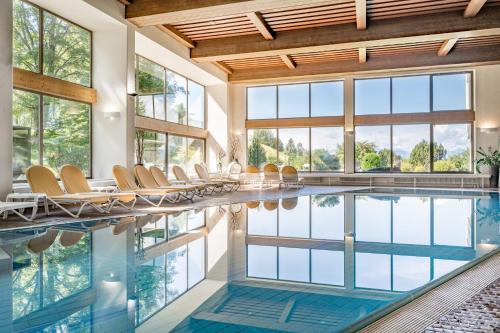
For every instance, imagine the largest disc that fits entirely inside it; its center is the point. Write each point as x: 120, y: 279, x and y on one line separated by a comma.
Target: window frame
x: 165, y: 70
x: 41, y: 129
x: 42, y: 10
x: 276, y: 86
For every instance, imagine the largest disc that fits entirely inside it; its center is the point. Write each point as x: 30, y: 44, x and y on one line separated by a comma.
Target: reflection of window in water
x: 41, y: 278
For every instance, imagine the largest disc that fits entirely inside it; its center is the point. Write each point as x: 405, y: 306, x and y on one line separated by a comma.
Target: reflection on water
x: 243, y: 265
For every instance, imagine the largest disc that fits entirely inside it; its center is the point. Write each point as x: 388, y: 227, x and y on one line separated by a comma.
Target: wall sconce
x: 349, y: 132
x: 112, y: 115
x: 489, y: 130
x: 111, y: 278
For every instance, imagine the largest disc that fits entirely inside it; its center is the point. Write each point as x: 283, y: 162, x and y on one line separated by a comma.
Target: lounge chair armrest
x: 104, y: 188
x: 177, y: 182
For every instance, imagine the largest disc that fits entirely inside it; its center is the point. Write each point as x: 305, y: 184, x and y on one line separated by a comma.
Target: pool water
x: 320, y: 263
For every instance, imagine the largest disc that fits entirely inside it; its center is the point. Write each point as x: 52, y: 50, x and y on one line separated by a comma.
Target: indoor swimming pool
x: 319, y: 263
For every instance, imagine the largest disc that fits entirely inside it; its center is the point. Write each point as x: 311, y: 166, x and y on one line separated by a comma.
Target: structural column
x: 349, y: 125
x: 5, y: 97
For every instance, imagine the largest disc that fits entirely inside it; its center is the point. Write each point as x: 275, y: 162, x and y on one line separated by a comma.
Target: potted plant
x: 139, y: 149
x: 491, y: 159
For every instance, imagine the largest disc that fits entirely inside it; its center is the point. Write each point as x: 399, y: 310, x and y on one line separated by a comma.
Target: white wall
x: 486, y: 93
x: 5, y: 98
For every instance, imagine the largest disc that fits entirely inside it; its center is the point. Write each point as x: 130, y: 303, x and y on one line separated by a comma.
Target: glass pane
x: 261, y: 102
x: 327, y: 217
x: 293, y: 264
x: 150, y: 287
x: 26, y: 286
x: 373, y: 271
x: 176, y: 98
x: 154, y: 153
x: 145, y: 106
x: 327, y: 99
x: 294, y: 147
x: 196, y: 219
x: 151, y: 89
x: 444, y: 266
x: 196, y: 261
x: 176, y: 273
x: 322, y: 262
x: 66, y: 50
x: 66, y: 135
x: 295, y: 222
x: 452, y: 222
x: 196, y: 105
x: 411, y: 149
x: 177, y: 224
x: 452, y: 147
x: 373, y: 148
x: 196, y: 153
x: 262, y: 222
x: 451, y: 92
x: 411, y: 94
x: 152, y: 233
x: 262, y: 261
x: 293, y: 101
x: 327, y: 145
x: 373, y: 219
x: 177, y: 152
x: 26, y: 36
x: 262, y: 146
x: 66, y: 270
x: 410, y: 272
x: 26, y: 136
x: 372, y: 96
x: 412, y: 220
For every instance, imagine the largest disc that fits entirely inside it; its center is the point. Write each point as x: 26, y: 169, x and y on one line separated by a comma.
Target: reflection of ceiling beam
x: 261, y: 25
x: 288, y: 61
x: 153, y: 12
x: 473, y: 8
x: 362, y: 55
x: 404, y: 30
x: 485, y: 54
x: 361, y: 14
x: 447, y: 46
x: 177, y: 35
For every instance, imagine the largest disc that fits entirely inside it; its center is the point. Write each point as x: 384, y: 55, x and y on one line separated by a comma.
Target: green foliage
x: 256, y: 154
x: 487, y: 158
x: 323, y: 160
x: 26, y: 41
x: 326, y: 200
x: 371, y: 161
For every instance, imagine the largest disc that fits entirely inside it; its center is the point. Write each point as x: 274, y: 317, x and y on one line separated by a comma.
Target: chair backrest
x: 144, y: 177
x: 252, y: 173
x: 271, y: 172
x: 74, y: 179
x: 289, y: 174
x: 253, y: 204
x: 42, y: 180
x: 252, y: 169
x: 70, y: 238
x: 42, y: 243
x: 234, y: 168
x: 271, y: 204
x: 289, y: 203
x: 202, y: 171
x: 159, y: 176
x: 180, y: 174
x: 124, y: 179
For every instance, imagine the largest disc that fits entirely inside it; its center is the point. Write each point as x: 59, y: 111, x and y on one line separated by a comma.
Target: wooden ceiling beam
x: 288, y: 61
x: 177, y: 35
x: 428, y: 59
x: 411, y: 29
x: 153, y: 12
x: 447, y: 46
x: 473, y: 8
x: 222, y: 66
x: 261, y: 25
x: 362, y: 55
x: 361, y: 14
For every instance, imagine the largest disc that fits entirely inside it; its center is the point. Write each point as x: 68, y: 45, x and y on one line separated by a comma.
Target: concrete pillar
x: 130, y: 114
x: 5, y: 97
x: 349, y: 125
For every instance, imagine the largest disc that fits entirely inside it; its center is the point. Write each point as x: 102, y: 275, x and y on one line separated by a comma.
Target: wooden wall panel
x: 36, y: 82
x: 438, y: 117
x: 296, y: 122
x: 168, y: 127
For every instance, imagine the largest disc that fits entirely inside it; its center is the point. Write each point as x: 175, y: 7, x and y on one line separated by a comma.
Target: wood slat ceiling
x: 221, y: 27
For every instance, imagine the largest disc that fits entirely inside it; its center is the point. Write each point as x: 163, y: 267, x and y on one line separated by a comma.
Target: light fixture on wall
x: 112, y: 115
x: 489, y: 130
x: 111, y: 278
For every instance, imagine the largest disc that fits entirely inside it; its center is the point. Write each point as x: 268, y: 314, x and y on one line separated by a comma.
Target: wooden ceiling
x: 261, y: 40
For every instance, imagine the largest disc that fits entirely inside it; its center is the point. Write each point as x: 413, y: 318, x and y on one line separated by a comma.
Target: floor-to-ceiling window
x: 417, y: 123
x: 48, y: 130
x: 306, y: 147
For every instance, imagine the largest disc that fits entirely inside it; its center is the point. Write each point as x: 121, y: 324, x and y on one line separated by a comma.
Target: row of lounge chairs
x: 151, y: 185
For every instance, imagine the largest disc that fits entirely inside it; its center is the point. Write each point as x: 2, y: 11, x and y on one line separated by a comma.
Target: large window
x: 320, y: 99
x: 65, y: 128
x: 166, y: 150
x: 391, y: 145
x: 166, y: 95
x: 306, y: 149
x: 66, y: 46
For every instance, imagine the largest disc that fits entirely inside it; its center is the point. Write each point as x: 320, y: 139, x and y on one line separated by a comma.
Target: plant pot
x: 494, y: 176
